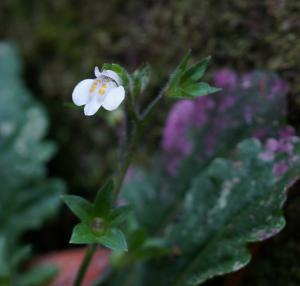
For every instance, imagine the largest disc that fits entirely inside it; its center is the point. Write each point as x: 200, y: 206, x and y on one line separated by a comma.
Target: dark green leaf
x: 199, y: 89
x: 82, y: 208
x: 119, y: 215
x: 196, y: 71
x: 177, y: 74
x: 114, y: 239
x: 183, y: 82
x: 111, y: 238
x: 104, y: 200
x: 83, y: 234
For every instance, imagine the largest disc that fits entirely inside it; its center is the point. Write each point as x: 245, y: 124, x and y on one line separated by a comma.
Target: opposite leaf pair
x: 100, y: 221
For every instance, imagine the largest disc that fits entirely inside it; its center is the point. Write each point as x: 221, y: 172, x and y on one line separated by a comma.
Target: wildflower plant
x: 219, y: 183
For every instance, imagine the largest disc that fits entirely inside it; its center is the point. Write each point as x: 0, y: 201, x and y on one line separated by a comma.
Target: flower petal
x: 92, y: 107
x: 97, y: 72
x: 113, y: 75
x: 114, y: 98
x: 80, y: 93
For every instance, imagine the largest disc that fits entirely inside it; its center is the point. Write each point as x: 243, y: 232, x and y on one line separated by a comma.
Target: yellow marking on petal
x: 93, y: 87
x: 102, y: 89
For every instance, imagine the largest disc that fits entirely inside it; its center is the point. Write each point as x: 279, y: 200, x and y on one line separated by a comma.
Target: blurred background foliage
x: 28, y: 198
x: 61, y: 41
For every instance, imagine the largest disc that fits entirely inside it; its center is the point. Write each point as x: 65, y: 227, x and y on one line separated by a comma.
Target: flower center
x: 100, y: 85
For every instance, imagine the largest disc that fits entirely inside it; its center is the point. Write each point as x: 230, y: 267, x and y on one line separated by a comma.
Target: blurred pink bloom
x: 225, y: 78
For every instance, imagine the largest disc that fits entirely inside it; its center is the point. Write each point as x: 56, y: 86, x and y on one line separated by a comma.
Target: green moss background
x: 62, y: 40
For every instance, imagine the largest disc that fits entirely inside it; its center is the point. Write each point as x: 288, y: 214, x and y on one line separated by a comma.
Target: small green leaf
x: 196, y: 71
x: 114, y: 239
x: 198, y: 89
x: 111, y: 238
x: 193, y: 90
x: 184, y: 62
x: 83, y: 234
x: 183, y: 82
x: 82, y: 208
x: 119, y: 215
x: 177, y: 74
x: 104, y: 200
x: 123, y: 74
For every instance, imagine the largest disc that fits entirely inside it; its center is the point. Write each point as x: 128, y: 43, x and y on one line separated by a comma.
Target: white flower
x: 105, y: 90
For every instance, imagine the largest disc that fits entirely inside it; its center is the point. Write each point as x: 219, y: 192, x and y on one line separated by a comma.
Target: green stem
x: 134, y: 137
x: 129, y: 156
x: 137, y: 123
x: 153, y: 103
x: 85, y: 264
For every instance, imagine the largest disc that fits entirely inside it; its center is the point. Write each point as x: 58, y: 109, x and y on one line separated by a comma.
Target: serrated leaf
x: 240, y: 203
x: 196, y: 71
x: 183, y: 82
x: 177, y: 74
x: 193, y: 90
x: 104, y: 200
x: 82, y: 208
x: 156, y: 198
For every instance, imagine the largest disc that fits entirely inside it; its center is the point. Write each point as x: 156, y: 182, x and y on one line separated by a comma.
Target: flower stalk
x: 134, y: 131
x: 85, y: 264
